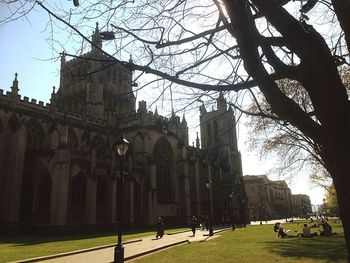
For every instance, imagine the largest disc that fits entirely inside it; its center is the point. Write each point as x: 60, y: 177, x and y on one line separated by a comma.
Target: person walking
x: 206, y: 222
x: 194, y: 223
x: 202, y: 225
x: 160, y: 228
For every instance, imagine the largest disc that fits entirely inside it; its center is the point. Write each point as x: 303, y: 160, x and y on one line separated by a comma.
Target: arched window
x: 35, y: 135
x: 78, y: 190
x: 77, y: 199
x: 101, y: 199
x: 44, y: 193
x: 101, y: 194
x: 163, y: 157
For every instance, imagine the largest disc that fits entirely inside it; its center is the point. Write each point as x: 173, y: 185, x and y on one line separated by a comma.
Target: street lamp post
x: 231, y: 195
x: 209, y: 184
x: 324, y: 207
x: 242, y: 212
x: 121, y: 148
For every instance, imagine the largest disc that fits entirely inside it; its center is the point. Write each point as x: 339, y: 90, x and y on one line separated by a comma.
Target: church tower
x: 218, y: 127
x: 218, y: 138
x: 95, y: 85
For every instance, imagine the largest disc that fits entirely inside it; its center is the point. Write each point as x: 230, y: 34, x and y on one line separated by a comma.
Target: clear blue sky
x: 24, y: 49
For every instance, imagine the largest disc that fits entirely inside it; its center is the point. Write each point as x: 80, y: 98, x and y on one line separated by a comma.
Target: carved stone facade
x: 273, y: 199
x: 58, y: 167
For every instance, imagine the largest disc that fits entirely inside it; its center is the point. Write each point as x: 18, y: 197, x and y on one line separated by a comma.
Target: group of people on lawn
x: 326, y: 231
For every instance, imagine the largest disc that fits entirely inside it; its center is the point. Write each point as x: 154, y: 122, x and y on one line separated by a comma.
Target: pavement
x: 271, y: 222
x: 132, y: 249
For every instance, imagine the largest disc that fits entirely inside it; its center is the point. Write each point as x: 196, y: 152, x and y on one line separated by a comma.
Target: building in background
x: 58, y: 164
x: 301, y: 205
x: 273, y: 199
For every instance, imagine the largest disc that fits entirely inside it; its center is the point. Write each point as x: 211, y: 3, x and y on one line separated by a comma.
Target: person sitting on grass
x: 307, y: 232
x: 327, y: 229
x: 282, y: 233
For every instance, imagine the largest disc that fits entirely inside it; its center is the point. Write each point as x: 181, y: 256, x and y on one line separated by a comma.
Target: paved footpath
x: 132, y: 250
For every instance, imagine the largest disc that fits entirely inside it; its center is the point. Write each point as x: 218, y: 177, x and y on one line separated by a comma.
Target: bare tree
x: 272, y: 136
x: 238, y: 45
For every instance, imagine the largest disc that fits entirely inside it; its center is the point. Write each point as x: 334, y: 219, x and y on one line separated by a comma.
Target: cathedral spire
x: 221, y: 102
x: 202, y: 108
x: 14, y: 88
x: 96, y: 39
x: 53, y: 94
x: 63, y: 64
x: 131, y: 62
x: 14, y: 92
x: 63, y: 57
x: 197, y: 141
x: 184, y: 120
x: 53, y: 100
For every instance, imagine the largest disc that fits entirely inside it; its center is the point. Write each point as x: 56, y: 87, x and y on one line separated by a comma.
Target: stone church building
x: 58, y: 167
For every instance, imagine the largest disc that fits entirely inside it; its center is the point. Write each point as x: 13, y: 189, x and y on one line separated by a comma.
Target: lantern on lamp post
x: 121, y: 148
x: 209, y: 184
x: 324, y: 208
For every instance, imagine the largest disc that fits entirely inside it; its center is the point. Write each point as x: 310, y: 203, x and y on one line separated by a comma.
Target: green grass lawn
x: 252, y: 244
x: 23, y: 247
x: 256, y: 244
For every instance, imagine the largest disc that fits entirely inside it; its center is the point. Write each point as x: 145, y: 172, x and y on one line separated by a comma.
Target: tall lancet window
x: 163, y: 157
x: 35, y: 135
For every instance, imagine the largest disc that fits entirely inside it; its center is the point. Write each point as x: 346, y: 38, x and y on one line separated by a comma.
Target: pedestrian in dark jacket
x: 160, y: 228
x: 194, y: 223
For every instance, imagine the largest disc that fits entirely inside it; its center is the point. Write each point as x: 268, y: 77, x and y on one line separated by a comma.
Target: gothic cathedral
x: 59, y: 170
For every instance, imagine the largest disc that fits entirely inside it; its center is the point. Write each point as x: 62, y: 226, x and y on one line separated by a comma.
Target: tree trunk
x: 337, y: 162
x: 330, y: 126
x: 343, y: 195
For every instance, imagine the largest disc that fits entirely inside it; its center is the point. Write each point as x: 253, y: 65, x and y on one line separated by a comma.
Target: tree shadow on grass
x: 28, y: 239
x: 34, y: 239
x: 328, y: 249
